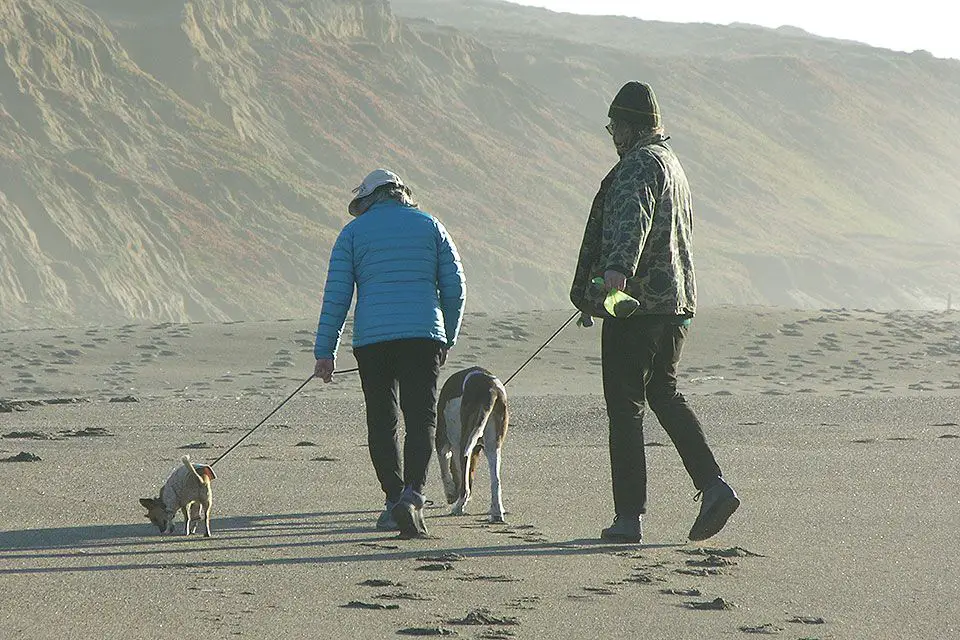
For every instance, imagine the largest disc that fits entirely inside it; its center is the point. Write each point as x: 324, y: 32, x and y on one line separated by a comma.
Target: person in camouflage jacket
x: 638, y: 239
x: 622, y: 234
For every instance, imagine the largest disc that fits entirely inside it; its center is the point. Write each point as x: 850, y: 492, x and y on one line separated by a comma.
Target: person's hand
x: 614, y: 280
x: 443, y: 355
x: 324, y: 369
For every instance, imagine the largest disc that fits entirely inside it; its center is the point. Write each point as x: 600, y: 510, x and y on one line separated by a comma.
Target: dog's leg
x: 445, y: 459
x: 206, y: 516
x: 492, y: 448
x: 186, y: 519
x: 196, y: 512
x: 448, y: 430
x: 496, y: 495
x: 464, y: 464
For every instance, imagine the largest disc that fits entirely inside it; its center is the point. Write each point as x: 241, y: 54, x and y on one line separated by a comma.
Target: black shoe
x: 409, y: 519
x: 624, y: 530
x: 717, y: 505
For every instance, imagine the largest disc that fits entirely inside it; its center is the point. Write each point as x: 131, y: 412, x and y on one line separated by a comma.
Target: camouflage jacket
x: 641, y: 225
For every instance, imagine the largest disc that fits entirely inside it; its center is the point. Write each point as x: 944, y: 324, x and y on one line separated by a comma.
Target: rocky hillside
x: 192, y: 159
x: 824, y: 171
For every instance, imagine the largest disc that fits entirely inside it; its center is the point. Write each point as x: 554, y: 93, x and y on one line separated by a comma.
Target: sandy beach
x: 840, y: 429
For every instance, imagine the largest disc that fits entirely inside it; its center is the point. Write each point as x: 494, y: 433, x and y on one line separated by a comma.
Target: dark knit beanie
x: 636, y: 103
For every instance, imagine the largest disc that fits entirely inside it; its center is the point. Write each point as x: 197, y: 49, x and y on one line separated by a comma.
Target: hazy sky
x: 920, y: 24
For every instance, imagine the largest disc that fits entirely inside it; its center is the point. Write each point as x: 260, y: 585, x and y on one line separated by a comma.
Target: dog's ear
x: 207, y: 471
x: 146, y: 502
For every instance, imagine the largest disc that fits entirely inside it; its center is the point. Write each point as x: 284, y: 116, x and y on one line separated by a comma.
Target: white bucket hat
x: 374, y: 179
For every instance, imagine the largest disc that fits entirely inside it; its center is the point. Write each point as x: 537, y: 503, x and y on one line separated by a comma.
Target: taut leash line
x: 305, y: 382
x: 275, y: 409
x: 555, y: 333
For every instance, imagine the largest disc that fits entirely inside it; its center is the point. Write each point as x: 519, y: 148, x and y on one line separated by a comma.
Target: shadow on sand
x: 241, y: 541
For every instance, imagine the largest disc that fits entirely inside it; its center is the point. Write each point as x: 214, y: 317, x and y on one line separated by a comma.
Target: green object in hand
x: 618, y: 304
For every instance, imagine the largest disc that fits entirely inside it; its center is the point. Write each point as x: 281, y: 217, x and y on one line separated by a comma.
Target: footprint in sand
x: 375, y: 606
x: 89, y: 432
x: 723, y: 552
x: 380, y: 582
x: 524, y: 603
x: 767, y: 628
x: 700, y: 572
x: 717, y: 604
x: 436, y: 566
x: 689, y: 593
x: 644, y: 577
x: 591, y: 592
x: 711, y: 561
x: 426, y: 631
x: 26, y: 435
x: 23, y: 456
x: 485, y: 617
x: 403, y: 595
x: 442, y: 557
x: 476, y: 577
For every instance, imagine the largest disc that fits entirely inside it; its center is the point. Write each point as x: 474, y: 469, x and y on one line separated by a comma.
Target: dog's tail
x: 483, y: 398
x: 203, y: 475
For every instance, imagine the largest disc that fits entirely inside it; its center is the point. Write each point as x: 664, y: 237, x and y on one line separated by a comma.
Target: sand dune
x: 839, y: 428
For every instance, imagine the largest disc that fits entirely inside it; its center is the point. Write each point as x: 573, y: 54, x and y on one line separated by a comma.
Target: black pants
x: 400, y: 375
x: 640, y: 356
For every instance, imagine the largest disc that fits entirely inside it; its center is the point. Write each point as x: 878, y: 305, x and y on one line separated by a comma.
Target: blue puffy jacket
x: 408, y: 276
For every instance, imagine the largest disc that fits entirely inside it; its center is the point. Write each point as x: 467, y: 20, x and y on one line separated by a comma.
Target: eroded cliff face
x: 192, y: 160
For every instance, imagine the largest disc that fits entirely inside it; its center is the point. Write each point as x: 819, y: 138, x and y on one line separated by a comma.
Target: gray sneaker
x: 409, y: 519
x: 717, y: 505
x: 386, y: 522
x: 624, y: 529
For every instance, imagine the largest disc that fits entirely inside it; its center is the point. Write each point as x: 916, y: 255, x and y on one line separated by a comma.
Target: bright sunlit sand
x: 839, y: 429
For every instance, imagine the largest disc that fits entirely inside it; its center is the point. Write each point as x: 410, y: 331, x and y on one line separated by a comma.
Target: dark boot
x: 624, y: 529
x: 717, y: 505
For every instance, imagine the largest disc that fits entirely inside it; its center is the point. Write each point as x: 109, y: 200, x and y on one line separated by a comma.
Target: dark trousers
x: 400, y: 375
x: 640, y: 356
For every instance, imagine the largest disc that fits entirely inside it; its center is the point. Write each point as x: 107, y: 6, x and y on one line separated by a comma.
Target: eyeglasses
x: 609, y: 128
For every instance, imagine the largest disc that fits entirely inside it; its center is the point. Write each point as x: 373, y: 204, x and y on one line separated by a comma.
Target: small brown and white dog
x: 187, y: 490
x: 471, y: 415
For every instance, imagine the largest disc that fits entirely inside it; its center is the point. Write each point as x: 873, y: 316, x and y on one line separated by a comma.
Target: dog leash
x: 555, y: 333
x: 305, y: 382
x: 275, y: 409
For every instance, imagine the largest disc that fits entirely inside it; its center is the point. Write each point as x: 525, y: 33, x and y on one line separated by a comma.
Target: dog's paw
x: 496, y: 518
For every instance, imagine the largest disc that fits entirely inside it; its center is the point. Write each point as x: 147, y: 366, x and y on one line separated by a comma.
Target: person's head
x: 634, y: 114
x: 379, y: 185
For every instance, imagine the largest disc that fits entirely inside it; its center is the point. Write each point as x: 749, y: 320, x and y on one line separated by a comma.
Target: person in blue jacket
x: 410, y: 298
